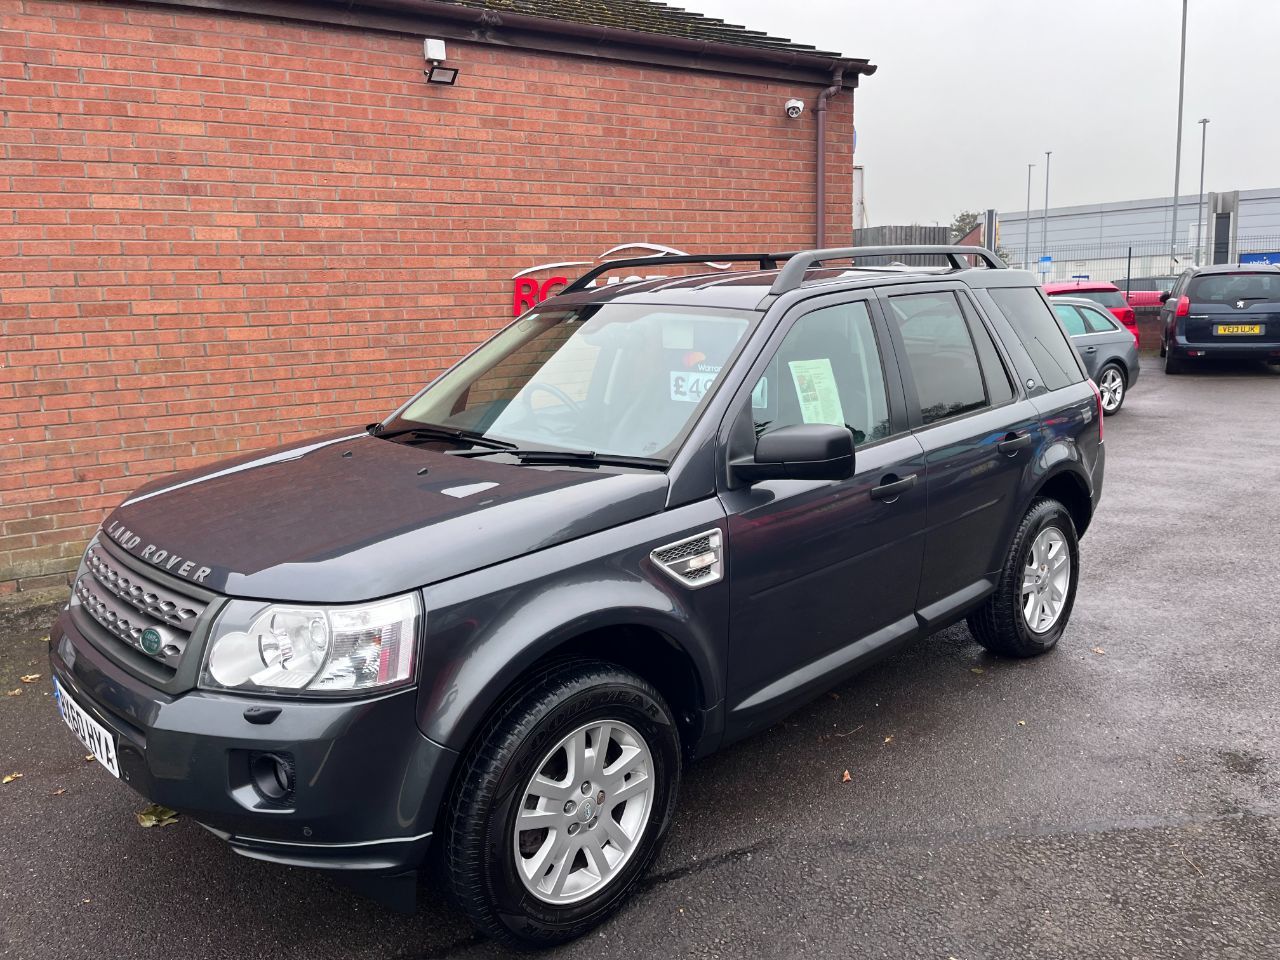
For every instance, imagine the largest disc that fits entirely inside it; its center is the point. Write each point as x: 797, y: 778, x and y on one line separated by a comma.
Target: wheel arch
x: 1069, y: 487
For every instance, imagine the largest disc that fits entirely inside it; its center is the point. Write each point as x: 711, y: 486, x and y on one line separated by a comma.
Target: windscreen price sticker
x: 690, y: 386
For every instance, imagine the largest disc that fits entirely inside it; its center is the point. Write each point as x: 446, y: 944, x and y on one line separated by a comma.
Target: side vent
x: 695, y: 561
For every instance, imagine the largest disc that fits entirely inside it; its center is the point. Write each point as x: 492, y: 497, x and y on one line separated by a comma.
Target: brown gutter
x: 523, y: 31
x: 837, y: 81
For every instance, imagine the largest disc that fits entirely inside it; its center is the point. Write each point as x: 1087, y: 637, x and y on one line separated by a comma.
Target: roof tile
x: 644, y: 16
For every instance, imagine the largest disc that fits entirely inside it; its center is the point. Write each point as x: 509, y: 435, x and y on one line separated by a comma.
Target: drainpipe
x: 837, y: 78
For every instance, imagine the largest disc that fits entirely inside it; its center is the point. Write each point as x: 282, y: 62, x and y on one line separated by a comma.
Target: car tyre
x: 1173, y: 364
x: 1113, y: 386
x: 522, y: 763
x: 1003, y: 624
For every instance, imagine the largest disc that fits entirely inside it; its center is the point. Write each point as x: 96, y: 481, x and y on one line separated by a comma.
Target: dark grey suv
x: 643, y: 521
x: 1223, y: 312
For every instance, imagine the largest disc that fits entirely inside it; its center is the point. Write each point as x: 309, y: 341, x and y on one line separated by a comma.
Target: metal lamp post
x: 1177, y: 153
x: 1044, y: 217
x: 1026, y: 244
x: 1200, y: 224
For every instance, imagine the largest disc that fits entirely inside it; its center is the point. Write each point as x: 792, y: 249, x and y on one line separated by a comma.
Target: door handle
x: 1014, y: 442
x: 1091, y: 350
x: 891, y: 490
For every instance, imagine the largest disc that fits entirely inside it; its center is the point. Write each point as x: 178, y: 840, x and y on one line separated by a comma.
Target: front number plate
x: 91, y: 733
x: 1227, y: 329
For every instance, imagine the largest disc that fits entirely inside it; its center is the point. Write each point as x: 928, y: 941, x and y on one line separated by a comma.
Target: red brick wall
x: 226, y: 231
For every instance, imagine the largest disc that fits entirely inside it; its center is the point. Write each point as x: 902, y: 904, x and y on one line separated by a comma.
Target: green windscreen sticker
x: 815, y: 383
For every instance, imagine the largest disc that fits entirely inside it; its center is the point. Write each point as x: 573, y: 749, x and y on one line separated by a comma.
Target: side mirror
x: 1164, y: 297
x: 810, y: 451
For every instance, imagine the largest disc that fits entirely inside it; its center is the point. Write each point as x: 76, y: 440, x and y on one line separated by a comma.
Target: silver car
x: 1109, y: 351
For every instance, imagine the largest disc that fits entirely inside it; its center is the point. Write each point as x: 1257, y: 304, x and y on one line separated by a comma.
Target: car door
x: 978, y: 432
x: 822, y: 574
x: 1073, y: 322
x: 1168, y: 310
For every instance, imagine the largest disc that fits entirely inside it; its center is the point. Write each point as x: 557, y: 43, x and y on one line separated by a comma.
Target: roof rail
x: 792, y: 275
x: 767, y: 261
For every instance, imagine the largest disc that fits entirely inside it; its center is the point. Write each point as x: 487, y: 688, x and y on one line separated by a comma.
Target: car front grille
x: 152, y: 620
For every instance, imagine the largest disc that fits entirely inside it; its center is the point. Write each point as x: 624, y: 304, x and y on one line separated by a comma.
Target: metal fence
x: 1115, y: 261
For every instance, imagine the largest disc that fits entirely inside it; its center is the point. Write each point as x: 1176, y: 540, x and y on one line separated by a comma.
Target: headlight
x: 289, y: 648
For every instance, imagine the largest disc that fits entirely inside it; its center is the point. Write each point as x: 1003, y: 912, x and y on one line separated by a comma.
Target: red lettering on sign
x: 526, y: 296
x: 528, y: 293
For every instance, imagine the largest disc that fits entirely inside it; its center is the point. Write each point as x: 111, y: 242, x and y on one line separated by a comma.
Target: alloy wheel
x: 1046, y: 580
x: 1112, y: 389
x: 583, y: 812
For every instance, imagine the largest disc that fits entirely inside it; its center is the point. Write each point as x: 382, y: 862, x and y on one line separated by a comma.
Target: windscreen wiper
x: 587, y: 458
x: 433, y: 432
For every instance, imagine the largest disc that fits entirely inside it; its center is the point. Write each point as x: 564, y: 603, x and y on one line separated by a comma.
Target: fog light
x: 272, y: 775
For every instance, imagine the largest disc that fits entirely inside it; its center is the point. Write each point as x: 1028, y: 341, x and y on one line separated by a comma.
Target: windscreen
x: 1230, y: 287
x: 616, y: 378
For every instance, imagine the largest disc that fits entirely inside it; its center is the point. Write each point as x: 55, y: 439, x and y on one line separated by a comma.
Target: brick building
x: 227, y: 229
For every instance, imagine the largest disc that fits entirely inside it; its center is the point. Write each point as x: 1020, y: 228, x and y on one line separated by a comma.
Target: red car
x: 1145, y: 291
x: 1102, y: 293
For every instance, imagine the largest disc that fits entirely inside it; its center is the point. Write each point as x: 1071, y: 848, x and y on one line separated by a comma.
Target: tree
x: 963, y: 223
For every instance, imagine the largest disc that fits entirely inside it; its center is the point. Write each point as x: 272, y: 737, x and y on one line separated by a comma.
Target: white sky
x: 971, y: 91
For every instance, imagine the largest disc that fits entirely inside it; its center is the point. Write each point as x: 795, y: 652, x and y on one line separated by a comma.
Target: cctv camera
x: 794, y: 108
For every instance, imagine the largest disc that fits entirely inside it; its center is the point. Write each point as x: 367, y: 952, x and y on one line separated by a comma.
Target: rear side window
x: 1230, y: 287
x: 1071, y: 319
x: 1099, y: 322
x: 940, y: 353
x: 999, y: 387
x: 1031, y: 318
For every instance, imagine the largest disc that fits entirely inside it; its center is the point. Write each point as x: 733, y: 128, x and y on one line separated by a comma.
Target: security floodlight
x: 445, y: 75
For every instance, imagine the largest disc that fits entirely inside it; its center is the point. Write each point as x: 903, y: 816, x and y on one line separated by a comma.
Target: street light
x: 1177, y: 153
x: 1026, y: 243
x: 1044, y: 217
x: 1200, y: 224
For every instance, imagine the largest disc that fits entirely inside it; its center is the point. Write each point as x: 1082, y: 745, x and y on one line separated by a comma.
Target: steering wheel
x: 533, y: 386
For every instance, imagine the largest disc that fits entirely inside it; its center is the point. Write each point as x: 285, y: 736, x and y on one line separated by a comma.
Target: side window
x: 1071, y: 319
x: 1098, y: 322
x: 1051, y: 352
x: 999, y: 386
x: 940, y: 353
x: 827, y: 370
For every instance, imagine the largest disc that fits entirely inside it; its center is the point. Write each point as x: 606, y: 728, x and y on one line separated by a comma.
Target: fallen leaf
x: 847, y: 777
x: 1022, y: 723
x: 89, y: 758
x: 976, y: 670
x: 1099, y: 651
x: 60, y: 792
x: 14, y: 693
x: 10, y: 777
x: 888, y: 739
x: 30, y: 678
x: 156, y: 816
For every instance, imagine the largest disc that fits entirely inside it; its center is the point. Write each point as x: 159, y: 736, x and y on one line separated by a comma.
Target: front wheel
x: 1029, y: 610
x: 561, y: 804
x: 1112, y: 386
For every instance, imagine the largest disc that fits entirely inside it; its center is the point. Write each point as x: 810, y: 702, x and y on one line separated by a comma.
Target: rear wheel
x: 1112, y: 385
x: 561, y: 804
x: 1036, y: 590
x: 1172, y: 362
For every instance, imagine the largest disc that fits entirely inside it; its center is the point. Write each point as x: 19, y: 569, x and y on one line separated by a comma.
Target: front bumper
x: 366, y: 783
